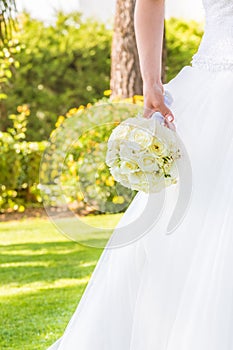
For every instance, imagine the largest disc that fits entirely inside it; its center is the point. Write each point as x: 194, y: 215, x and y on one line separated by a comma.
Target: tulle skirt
x: 173, y: 292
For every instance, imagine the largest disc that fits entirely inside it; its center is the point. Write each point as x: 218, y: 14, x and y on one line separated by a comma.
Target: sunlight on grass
x: 14, y: 289
x: 43, y: 276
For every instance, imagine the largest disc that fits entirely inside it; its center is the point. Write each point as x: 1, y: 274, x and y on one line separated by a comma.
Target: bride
x: 174, y: 292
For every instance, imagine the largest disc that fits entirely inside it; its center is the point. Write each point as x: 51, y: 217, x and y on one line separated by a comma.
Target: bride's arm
x: 149, y: 25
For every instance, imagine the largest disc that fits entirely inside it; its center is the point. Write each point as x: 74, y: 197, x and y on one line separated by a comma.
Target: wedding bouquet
x: 142, y: 152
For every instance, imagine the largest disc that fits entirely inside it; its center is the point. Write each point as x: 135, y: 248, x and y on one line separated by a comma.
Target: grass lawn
x: 43, y: 276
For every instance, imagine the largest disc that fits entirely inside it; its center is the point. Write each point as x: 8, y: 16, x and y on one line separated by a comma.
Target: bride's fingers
x: 167, y: 113
x: 170, y: 125
x: 147, y: 112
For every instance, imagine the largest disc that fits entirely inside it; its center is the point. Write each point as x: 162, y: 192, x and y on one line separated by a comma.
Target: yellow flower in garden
x: 71, y: 112
x: 60, y: 120
x: 20, y: 109
x: 118, y: 200
x: 110, y: 181
x: 107, y: 92
x: 138, y: 98
x: 24, y: 109
x: 80, y: 196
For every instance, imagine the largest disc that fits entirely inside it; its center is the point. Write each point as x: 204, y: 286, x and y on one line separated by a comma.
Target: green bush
x: 68, y: 64
x: 82, y: 160
x: 78, y: 146
x: 61, y: 66
x: 183, y: 38
x: 19, y: 165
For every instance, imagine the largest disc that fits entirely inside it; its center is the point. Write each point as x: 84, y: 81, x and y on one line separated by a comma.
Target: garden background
x: 50, y: 73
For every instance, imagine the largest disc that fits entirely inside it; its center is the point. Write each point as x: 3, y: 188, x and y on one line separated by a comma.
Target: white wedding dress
x: 175, y: 292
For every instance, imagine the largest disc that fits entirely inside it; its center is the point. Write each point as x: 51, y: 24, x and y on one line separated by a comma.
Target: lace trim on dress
x: 211, y: 63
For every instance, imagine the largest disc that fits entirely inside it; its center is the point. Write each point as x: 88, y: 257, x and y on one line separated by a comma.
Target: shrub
x: 19, y: 164
x: 68, y: 64
x: 61, y: 66
x: 183, y: 38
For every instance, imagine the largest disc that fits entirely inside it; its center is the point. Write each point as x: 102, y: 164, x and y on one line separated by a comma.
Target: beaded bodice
x: 215, y: 51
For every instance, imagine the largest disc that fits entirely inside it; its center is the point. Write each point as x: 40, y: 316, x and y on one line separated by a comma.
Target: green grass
x: 42, y: 278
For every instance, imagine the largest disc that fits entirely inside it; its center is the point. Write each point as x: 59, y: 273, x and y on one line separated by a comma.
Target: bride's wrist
x: 152, y: 81
x: 152, y: 84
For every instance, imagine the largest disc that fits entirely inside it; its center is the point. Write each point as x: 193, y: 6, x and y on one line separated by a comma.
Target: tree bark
x: 164, y: 57
x: 126, y: 80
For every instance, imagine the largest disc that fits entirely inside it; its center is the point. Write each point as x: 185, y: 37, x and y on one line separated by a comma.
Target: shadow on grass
x: 38, y: 311
x: 59, y: 260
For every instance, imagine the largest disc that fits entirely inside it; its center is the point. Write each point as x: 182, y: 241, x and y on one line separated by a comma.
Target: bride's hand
x: 154, y: 102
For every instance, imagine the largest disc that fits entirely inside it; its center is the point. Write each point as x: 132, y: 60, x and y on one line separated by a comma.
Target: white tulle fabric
x: 174, y: 292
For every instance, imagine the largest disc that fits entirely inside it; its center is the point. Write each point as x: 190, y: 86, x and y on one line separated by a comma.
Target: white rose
x: 112, y: 156
x: 121, y: 132
x: 141, y: 137
x: 137, y: 177
x: 129, y: 150
x: 117, y: 174
x: 148, y: 162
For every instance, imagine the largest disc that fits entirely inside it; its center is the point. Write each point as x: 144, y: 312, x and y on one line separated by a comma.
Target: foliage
x: 68, y: 64
x: 8, y: 66
x: 19, y: 164
x: 61, y: 66
x: 82, y: 161
x: 45, y: 79
x: 78, y: 146
x: 183, y: 38
x: 7, y: 9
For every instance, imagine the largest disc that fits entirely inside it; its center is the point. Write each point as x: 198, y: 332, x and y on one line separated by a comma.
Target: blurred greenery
x: 7, y: 11
x: 68, y: 64
x: 42, y: 278
x: 19, y: 164
x: 183, y: 39
x: 61, y: 66
x: 44, y: 71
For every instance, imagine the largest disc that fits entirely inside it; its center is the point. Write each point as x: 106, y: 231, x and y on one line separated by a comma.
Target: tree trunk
x: 126, y: 80
x: 164, y: 56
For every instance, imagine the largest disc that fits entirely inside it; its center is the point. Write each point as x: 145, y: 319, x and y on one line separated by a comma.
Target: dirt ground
x: 27, y: 214
x: 31, y: 213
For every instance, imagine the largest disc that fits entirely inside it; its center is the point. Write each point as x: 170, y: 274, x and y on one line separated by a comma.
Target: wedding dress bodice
x: 216, y: 48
